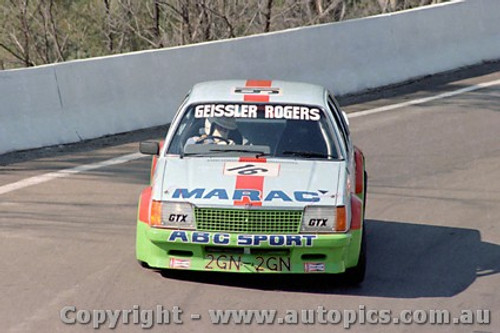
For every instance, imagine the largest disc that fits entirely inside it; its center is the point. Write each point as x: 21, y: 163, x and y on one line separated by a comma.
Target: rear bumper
x: 230, y: 252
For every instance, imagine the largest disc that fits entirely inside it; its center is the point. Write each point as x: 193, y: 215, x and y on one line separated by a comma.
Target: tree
x: 34, y: 32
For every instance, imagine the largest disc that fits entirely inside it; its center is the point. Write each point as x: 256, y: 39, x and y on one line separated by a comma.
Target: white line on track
x: 423, y: 100
x: 66, y: 173
x: 126, y: 158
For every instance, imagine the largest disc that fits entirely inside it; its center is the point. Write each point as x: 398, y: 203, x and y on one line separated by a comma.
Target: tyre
x: 143, y: 264
x: 354, y: 276
x: 365, y: 189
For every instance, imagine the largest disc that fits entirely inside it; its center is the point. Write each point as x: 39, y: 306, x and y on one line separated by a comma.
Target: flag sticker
x: 180, y: 263
x: 314, y: 267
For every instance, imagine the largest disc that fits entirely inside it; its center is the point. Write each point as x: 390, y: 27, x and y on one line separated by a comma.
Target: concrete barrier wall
x: 78, y: 100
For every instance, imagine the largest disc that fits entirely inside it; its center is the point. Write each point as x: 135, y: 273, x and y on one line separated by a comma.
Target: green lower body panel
x: 247, y: 253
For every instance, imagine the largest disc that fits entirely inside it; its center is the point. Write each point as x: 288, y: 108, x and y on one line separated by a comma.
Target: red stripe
x: 154, y: 162
x: 253, y: 160
x: 256, y: 98
x: 356, y: 213
x: 249, y: 183
x: 252, y: 182
x: 144, y: 205
x: 258, y: 83
x: 358, y: 157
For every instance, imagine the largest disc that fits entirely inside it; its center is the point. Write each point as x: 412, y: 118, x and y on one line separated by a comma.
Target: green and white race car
x: 255, y: 176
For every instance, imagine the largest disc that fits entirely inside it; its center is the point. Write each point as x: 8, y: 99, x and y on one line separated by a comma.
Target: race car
x: 255, y: 176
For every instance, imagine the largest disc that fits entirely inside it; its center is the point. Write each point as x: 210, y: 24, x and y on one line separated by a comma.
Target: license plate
x: 227, y: 262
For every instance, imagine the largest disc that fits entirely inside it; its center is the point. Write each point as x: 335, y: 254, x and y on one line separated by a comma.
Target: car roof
x: 238, y: 91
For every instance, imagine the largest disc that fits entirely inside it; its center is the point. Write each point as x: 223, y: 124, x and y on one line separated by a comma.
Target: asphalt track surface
x: 432, y: 225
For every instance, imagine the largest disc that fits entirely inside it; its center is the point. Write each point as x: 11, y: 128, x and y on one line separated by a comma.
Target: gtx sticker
x: 178, y: 218
x: 250, y: 169
x: 201, y: 237
x: 317, y: 222
x: 251, y: 194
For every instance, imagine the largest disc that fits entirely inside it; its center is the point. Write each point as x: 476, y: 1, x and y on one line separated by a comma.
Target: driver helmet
x: 220, y: 126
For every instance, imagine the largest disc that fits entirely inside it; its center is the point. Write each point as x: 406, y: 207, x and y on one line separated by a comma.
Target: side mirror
x: 149, y: 148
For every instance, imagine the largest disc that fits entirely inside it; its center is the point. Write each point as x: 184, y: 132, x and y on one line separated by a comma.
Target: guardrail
x: 73, y: 101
